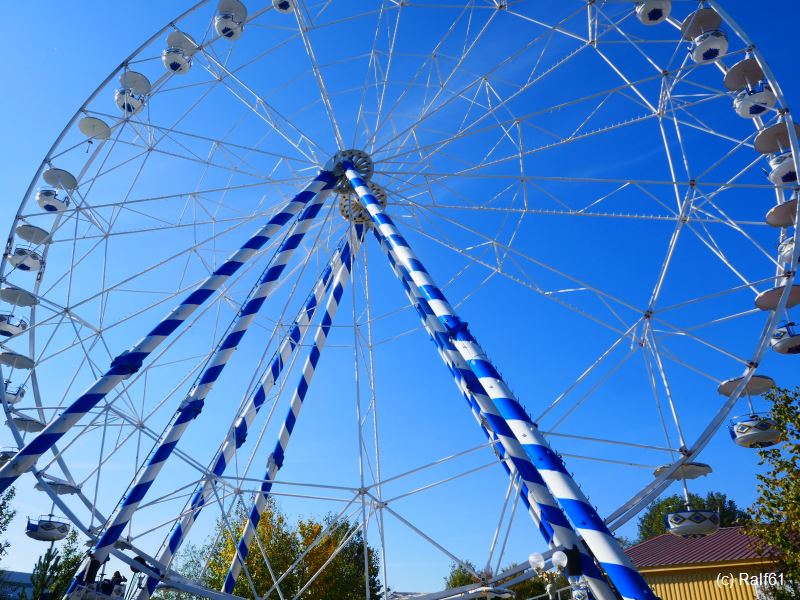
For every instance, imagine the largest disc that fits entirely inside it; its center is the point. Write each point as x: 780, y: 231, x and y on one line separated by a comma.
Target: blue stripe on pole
x: 228, y: 268
x: 113, y: 532
x: 498, y: 425
x: 166, y: 327
x: 553, y: 515
x: 546, y: 459
x: 163, y: 452
x: 415, y: 265
x: 483, y: 368
x: 512, y: 409
x: 432, y: 292
x: 40, y: 444
x: 211, y: 374
x: 290, y: 421
x: 232, y: 340
x: 627, y: 581
x: 397, y: 241
x: 583, y: 515
x: 198, y: 296
x: 253, y: 306
x: 275, y: 271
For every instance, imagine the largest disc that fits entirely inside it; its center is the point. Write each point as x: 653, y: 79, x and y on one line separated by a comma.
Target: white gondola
x: 689, y: 470
x: 60, y: 179
x: 756, y: 430
x: 94, y: 128
x: 758, y: 384
x: 26, y: 259
x: 702, y: 29
x: 753, y: 93
x: 132, y: 93
x: 32, y: 234
x: 287, y: 6
x: 15, y: 360
x: 11, y: 326
x: 755, y: 100
x: 774, y: 141
x: 786, y: 339
x: 785, y: 250
x: 783, y: 214
x: 769, y: 300
x: 692, y: 523
x: 14, y: 394
x: 49, y: 200
x: 26, y: 423
x: 177, y: 57
x: 6, y: 454
x: 781, y: 169
x: 653, y: 12
x: 59, y: 486
x: 230, y: 18
x: 17, y: 296
x: 47, y: 529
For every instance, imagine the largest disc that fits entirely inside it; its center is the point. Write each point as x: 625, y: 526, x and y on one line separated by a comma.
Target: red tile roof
x: 727, y: 544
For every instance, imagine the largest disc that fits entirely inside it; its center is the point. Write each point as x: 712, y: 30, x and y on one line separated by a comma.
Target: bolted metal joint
x: 361, y: 161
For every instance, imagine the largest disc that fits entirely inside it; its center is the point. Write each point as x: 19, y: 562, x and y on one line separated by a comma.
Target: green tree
x: 278, y: 541
x: 333, y: 569
x: 45, y: 572
x: 776, y: 522
x: 344, y: 576
x: 7, y: 514
x: 459, y: 575
x: 70, y: 555
x: 651, y: 523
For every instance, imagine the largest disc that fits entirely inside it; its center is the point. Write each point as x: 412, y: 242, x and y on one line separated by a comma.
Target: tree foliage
x: 333, y: 569
x: 45, y: 572
x: 776, y: 522
x: 55, y: 568
x: 651, y: 523
x: 7, y: 514
x: 70, y: 555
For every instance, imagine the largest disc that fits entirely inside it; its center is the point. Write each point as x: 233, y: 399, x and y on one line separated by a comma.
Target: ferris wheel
x: 583, y: 214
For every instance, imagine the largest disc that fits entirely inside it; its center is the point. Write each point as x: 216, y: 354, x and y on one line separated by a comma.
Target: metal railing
x: 564, y: 593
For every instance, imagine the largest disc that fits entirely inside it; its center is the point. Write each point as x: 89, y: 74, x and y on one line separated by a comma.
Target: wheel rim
x: 457, y: 230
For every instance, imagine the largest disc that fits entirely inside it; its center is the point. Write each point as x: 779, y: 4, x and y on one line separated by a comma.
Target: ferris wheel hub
x: 361, y: 161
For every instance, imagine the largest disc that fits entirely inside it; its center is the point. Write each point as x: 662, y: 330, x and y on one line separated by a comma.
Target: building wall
x: 694, y: 583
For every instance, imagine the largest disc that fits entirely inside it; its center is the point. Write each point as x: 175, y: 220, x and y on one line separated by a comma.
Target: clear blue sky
x: 56, y: 54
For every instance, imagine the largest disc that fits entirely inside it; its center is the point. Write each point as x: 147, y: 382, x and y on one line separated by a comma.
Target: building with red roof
x: 726, y: 565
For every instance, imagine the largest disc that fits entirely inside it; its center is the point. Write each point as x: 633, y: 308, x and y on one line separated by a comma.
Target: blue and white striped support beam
x: 130, y: 361
x: 275, y: 461
x: 238, y: 433
x: 192, y: 405
x: 537, y: 499
x: 512, y: 417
